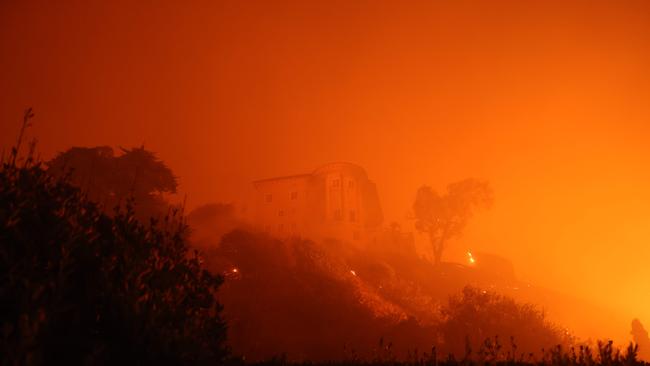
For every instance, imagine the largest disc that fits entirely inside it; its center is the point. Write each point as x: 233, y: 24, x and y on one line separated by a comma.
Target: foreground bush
x: 603, y: 354
x: 77, y: 286
x: 475, y: 319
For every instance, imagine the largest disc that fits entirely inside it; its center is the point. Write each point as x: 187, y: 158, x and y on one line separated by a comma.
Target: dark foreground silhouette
x: 80, y: 287
x: 604, y: 354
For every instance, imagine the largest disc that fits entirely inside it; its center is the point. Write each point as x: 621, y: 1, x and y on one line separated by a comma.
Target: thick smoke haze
x: 547, y: 101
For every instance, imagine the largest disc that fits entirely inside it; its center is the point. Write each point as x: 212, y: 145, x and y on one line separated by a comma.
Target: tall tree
x: 80, y: 287
x: 443, y: 217
x: 110, y: 179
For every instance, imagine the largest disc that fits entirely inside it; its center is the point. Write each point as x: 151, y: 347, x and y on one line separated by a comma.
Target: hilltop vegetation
x: 332, y: 301
x: 80, y: 287
x: 110, y: 179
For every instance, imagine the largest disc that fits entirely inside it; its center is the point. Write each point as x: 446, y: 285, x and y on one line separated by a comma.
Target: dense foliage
x: 78, y: 286
x: 475, y: 319
x: 110, y: 179
x: 443, y: 217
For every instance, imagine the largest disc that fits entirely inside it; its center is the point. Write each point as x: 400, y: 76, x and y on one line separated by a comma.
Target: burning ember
x: 232, y: 273
x: 470, y: 258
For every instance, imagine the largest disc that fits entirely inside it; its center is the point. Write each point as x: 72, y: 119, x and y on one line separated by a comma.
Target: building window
x: 294, y: 195
x: 268, y: 198
x: 336, y: 183
x: 351, y: 184
x: 281, y: 213
x: 353, y: 216
x: 281, y: 228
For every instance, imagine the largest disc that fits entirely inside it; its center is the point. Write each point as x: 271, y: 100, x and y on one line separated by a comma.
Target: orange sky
x: 548, y: 100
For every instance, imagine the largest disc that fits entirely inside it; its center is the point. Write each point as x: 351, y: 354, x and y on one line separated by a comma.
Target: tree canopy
x: 443, y: 217
x: 109, y: 179
x: 79, y: 286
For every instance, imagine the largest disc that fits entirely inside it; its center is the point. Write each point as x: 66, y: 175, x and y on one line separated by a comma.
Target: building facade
x: 335, y: 201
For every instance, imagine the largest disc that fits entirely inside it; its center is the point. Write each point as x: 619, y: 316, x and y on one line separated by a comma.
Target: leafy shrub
x: 78, y: 286
x: 476, y: 320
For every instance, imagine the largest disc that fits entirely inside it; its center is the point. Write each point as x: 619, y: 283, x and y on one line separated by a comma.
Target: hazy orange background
x: 549, y: 100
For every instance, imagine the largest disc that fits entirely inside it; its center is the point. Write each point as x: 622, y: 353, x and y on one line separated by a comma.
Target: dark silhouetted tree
x: 80, y: 287
x: 110, y: 179
x: 443, y: 217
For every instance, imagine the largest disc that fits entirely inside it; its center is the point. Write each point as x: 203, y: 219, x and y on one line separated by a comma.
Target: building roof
x: 276, y: 179
x: 335, y: 166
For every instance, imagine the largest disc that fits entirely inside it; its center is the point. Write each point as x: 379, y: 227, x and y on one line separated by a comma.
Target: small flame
x: 470, y: 257
x: 235, y: 270
x: 353, y: 272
